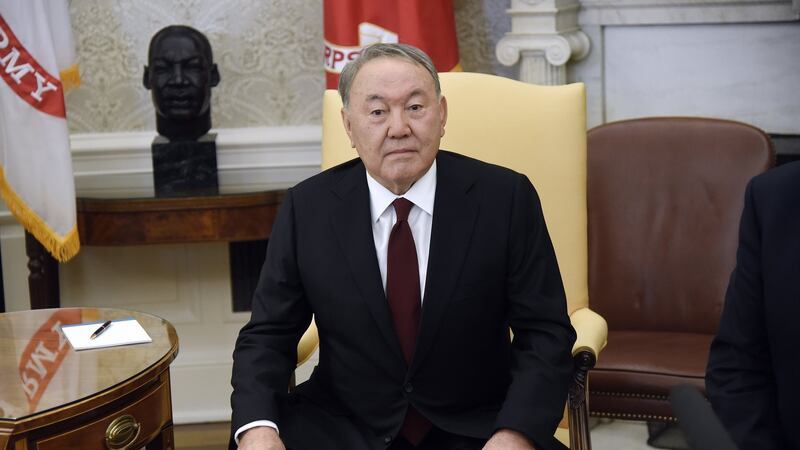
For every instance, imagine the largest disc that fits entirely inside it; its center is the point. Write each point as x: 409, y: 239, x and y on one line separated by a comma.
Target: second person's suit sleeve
x: 739, y: 378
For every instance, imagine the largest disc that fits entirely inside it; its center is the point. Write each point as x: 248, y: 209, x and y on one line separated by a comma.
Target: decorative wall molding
x: 248, y: 159
x: 120, y: 164
x: 544, y: 36
x: 661, y: 12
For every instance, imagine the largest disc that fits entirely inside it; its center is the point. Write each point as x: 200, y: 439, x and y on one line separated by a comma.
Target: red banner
x: 353, y: 24
x: 25, y: 76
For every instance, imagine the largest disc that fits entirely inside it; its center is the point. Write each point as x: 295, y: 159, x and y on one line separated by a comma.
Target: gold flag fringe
x: 62, y: 248
x: 70, y: 77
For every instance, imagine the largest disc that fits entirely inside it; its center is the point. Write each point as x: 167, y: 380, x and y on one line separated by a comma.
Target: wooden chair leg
x: 579, y: 438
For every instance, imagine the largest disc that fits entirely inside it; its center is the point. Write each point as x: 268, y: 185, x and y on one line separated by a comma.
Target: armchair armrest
x: 592, y: 336
x: 592, y: 331
x: 308, y: 343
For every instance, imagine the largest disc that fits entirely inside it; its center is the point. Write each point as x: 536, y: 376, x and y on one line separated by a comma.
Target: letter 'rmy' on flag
x: 37, y: 65
x: 351, y: 25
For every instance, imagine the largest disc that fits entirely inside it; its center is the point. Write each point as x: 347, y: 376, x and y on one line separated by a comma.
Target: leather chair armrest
x: 592, y: 331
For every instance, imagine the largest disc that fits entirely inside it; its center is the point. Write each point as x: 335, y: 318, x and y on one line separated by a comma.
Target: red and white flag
x: 351, y: 25
x: 37, y: 65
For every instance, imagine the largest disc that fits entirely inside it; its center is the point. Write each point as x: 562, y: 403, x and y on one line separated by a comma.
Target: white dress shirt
x: 420, y: 219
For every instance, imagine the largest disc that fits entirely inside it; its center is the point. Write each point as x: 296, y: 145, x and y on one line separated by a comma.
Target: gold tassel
x: 62, y: 248
x: 70, y: 77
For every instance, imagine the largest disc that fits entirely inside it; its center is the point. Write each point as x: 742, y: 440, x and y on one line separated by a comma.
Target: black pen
x: 100, y: 330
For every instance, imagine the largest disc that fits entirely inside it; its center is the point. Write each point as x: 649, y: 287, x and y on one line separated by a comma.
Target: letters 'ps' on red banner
x: 351, y: 25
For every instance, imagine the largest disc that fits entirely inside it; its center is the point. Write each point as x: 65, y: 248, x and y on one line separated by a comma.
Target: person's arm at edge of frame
x: 543, y: 336
x: 739, y: 381
x: 266, y: 349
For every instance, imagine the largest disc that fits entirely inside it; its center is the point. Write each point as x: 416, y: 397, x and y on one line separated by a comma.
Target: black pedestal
x: 185, y: 168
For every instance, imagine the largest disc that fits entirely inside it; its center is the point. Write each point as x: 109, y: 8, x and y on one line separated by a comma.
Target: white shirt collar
x: 421, y: 193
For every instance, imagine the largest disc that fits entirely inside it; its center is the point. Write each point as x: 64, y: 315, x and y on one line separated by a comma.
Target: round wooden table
x: 53, y: 397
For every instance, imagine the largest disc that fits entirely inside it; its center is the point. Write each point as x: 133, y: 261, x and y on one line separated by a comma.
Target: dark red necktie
x: 403, y: 293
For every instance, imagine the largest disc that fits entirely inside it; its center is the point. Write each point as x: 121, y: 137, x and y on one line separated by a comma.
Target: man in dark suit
x: 753, y: 368
x: 413, y: 297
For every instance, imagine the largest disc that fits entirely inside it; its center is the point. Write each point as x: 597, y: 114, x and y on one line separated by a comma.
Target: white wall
x: 736, y: 59
x: 746, y: 72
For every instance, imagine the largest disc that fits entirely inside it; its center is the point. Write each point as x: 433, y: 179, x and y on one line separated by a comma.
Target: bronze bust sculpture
x: 180, y: 74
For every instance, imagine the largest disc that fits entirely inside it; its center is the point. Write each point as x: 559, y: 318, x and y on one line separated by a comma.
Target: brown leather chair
x: 664, y: 197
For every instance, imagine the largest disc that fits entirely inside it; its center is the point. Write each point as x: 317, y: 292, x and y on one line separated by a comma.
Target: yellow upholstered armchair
x: 539, y: 131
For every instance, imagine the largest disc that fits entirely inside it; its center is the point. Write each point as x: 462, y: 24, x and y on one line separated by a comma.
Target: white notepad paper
x: 120, y: 332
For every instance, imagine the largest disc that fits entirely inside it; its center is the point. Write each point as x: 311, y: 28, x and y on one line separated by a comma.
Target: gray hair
x: 374, y: 51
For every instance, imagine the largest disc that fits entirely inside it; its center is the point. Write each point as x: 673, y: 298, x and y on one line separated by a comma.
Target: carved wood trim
x: 578, y: 415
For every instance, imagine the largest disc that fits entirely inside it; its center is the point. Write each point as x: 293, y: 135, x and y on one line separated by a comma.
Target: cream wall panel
x: 746, y: 72
x: 722, y: 58
x: 15, y: 269
x: 158, y: 279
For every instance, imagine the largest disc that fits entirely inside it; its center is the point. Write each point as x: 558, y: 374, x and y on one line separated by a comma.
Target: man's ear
x: 146, y: 78
x: 213, y: 79
x: 347, y: 126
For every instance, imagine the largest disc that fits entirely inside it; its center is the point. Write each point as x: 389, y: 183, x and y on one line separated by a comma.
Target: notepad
x: 120, y: 332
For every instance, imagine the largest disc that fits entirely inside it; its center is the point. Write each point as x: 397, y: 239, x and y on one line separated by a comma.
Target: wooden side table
x: 236, y: 217
x: 52, y: 397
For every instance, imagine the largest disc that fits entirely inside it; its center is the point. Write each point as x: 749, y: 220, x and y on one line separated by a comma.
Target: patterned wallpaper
x: 268, y: 53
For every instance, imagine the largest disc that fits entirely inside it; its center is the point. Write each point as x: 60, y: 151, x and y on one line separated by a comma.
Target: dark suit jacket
x: 754, y: 369
x: 491, y: 266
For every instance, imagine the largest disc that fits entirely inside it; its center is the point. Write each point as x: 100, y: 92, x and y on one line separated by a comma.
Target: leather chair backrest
x: 539, y: 131
x: 665, y: 198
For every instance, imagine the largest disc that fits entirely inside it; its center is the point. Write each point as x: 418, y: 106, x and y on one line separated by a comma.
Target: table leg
x: 43, y: 278
x: 164, y: 441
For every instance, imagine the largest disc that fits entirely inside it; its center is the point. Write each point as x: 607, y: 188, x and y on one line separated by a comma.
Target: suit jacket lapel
x: 352, y: 222
x: 454, y: 215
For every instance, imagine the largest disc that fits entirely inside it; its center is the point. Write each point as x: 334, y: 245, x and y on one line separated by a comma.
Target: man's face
x: 180, y: 77
x: 395, y: 121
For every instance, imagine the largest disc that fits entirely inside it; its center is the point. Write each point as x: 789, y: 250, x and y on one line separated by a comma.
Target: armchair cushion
x: 638, y: 369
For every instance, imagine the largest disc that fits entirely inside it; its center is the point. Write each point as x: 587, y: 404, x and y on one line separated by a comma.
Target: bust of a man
x: 180, y: 74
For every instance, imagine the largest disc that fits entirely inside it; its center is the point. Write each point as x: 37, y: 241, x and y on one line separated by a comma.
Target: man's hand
x: 260, y: 438
x: 506, y: 439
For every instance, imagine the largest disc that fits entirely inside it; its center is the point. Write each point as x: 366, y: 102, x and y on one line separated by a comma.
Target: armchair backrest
x: 665, y: 197
x: 539, y: 131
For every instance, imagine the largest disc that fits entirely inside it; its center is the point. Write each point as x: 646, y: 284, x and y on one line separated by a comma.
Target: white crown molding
x: 248, y: 159
x: 660, y: 12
